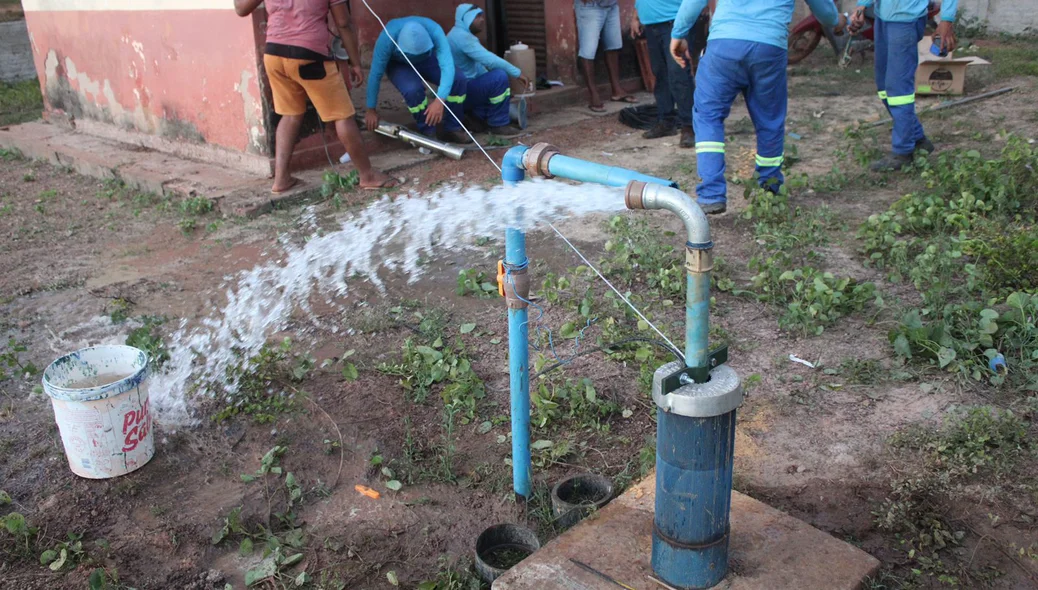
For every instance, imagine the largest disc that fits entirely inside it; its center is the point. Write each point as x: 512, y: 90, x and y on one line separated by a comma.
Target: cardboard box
x: 942, y: 75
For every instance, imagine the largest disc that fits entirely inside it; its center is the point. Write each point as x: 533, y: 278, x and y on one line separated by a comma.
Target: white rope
x: 491, y: 160
x: 429, y: 86
x: 615, y: 290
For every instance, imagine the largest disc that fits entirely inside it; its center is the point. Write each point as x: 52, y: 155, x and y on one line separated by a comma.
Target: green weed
x: 265, y: 384
x: 148, y: 337
x: 555, y: 399
x: 971, y: 440
x: 475, y: 282
x: 20, y: 102
x: 454, y: 576
x: 335, y: 185
x: 11, y: 365
x: 422, y: 367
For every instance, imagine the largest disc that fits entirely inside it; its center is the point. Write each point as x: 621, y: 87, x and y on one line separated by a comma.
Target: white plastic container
x: 101, y: 408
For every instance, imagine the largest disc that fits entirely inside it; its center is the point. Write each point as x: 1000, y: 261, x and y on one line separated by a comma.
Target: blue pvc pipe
x: 512, y: 169
x: 697, y: 319
x: 584, y: 171
x: 693, y: 498
x: 518, y: 370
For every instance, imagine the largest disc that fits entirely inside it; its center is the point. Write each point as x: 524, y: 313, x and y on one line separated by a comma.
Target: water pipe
x: 514, y: 285
x: 545, y: 160
x: 695, y: 415
x: 695, y: 400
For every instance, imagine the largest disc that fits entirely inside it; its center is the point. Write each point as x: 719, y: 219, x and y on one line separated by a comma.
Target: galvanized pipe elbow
x: 642, y: 195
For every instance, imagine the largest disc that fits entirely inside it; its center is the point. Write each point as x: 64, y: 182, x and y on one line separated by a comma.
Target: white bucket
x: 102, y: 410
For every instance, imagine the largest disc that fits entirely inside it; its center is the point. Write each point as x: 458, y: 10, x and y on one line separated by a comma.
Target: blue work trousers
x: 413, y: 90
x: 896, y: 61
x: 758, y: 72
x: 488, y: 98
x: 674, y: 84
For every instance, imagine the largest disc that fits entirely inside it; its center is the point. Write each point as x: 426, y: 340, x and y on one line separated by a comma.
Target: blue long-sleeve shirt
x: 470, y: 57
x: 904, y: 11
x: 654, y: 12
x: 385, y: 51
x: 762, y: 21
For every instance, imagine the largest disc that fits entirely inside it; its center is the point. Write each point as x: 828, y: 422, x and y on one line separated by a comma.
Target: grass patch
x: 965, y: 242
x: 1012, y: 57
x: 20, y: 102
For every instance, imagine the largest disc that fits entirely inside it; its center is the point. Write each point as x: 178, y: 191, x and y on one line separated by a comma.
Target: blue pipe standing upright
x: 518, y: 336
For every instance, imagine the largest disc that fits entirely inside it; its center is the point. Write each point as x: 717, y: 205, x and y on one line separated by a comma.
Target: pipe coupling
x: 721, y: 394
x: 517, y: 288
x: 633, y: 194
x: 536, y: 159
x: 699, y: 260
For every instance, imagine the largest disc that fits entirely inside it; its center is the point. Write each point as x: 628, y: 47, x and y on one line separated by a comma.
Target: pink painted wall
x: 182, y: 75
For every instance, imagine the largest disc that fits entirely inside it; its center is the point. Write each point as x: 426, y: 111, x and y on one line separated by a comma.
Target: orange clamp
x: 501, y: 278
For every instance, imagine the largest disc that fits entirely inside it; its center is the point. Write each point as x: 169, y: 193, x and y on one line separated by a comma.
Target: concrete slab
x: 770, y: 550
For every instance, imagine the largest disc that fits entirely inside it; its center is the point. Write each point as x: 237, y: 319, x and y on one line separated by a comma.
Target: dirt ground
x: 75, y: 251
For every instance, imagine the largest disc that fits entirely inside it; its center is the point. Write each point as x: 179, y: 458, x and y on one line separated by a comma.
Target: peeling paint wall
x: 185, y: 71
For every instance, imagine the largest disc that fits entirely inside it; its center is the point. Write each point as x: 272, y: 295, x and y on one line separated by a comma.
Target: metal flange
x: 536, y: 159
x: 720, y: 395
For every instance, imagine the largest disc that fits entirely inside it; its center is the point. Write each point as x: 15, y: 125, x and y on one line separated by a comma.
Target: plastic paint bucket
x: 102, y: 409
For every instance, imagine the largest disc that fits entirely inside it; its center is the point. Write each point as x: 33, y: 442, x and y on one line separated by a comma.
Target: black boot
x: 891, y: 162
x: 660, y: 129
x: 924, y: 144
x: 688, y: 137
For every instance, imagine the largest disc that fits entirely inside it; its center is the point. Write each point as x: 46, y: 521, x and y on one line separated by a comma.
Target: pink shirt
x: 301, y: 23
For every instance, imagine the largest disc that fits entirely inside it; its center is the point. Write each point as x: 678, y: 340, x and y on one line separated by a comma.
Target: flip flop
x: 596, y: 108
x: 628, y: 99
x: 295, y: 184
x: 384, y: 185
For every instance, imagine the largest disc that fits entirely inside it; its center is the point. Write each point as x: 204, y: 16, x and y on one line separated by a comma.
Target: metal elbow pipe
x: 698, y: 261
x: 642, y: 195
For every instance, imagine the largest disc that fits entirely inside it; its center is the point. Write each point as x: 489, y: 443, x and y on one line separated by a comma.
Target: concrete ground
x: 769, y: 549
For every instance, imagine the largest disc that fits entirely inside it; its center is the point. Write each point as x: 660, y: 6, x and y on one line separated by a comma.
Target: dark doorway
x: 524, y: 21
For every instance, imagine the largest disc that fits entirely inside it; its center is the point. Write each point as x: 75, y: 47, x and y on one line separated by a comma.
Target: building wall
x: 1004, y: 16
x: 184, y: 72
x: 16, y: 63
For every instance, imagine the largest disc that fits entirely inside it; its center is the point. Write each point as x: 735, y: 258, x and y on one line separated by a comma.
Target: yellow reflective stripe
x: 501, y: 97
x: 707, y: 147
x: 420, y: 107
x: 457, y: 99
x: 896, y: 101
x: 769, y: 162
x: 882, y: 94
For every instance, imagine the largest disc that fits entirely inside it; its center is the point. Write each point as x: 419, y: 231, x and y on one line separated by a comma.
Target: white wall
x: 1003, y: 16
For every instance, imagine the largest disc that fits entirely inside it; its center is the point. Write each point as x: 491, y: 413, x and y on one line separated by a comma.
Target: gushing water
x: 390, y: 234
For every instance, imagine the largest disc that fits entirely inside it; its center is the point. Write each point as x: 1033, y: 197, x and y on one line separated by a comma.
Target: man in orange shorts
x: 299, y: 67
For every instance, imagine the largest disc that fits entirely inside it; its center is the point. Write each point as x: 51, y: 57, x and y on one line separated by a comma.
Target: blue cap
x: 414, y: 40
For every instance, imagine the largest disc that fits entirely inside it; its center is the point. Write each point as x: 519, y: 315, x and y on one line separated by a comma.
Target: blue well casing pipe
x: 695, y: 422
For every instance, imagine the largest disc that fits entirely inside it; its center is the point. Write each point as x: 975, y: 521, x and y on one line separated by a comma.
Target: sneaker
x: 714, y: 208
x: 459, y: 137
x: 688, y: 137
x: 924, y: 144
x: 891, y: 162
x: 660, y: 129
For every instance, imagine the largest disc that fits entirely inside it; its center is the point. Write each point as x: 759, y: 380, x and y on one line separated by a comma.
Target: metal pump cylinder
x: 695, y: 444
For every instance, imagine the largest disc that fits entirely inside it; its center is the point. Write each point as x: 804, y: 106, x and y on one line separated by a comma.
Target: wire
x: 615, y: 290
x: 427, y: 85
x: 607, y: 347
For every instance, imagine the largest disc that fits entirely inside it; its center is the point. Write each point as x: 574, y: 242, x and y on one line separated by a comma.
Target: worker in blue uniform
x: 426, y: 47
x: 899, y: 28
x: 489, y: 91
x: 745, y: 53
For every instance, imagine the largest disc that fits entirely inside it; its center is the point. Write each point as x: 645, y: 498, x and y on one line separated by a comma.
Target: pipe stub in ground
x: 577, y: 496
x: 501, y: 547
x: 720, y: 395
